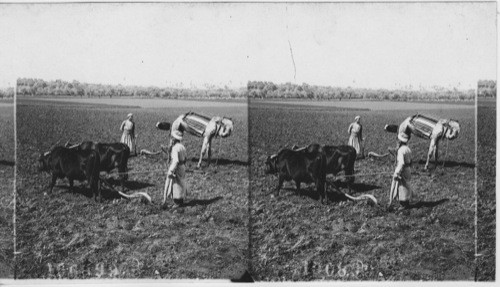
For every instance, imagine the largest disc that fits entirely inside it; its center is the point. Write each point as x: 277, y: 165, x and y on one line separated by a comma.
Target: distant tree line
x: 487, y: 88
x: 6, y: 92
x: 259, y: 89
x: 254, y: 89
x: 39, y: 87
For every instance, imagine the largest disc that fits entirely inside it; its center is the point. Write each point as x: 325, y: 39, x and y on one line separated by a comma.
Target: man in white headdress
x: 178, y: 127
x: 400, y: 187
x: 175, y: 184
x: 427, y: 128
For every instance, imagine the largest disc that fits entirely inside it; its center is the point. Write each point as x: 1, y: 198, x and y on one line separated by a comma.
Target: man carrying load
x: 216, y: 127
x: 202, y: 126
x: 427, y: 128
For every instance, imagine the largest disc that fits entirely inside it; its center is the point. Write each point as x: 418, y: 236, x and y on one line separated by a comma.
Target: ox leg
x: 350, y: 181
x: 98, y: 185
x: 323, y: 186
x: 123, y: 172
x: 123, y: 184
x: 320, y: 188
x: 52, y: 183
x: 71, y: 185
x: 319, y: 191
x: 350, y: 178
x: 280, y: 184
x: 337, y: 188
x: 335, y: 185
x: 297, y: 184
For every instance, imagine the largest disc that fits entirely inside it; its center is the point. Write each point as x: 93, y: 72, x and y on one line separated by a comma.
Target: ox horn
x: 361, y: 197
x: 374, y: 154
x: 54, y: 145
x: 50, y: 149
x: 74, y: 146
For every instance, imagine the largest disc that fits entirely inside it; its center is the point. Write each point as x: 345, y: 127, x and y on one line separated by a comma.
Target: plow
x: 144, y: 195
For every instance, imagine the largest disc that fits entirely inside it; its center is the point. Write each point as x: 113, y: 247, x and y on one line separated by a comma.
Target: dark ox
x: 72, y: 164
x: 112, y: 155
x: 306, y: 165
x: 312, y: 164
x: 338, y: 158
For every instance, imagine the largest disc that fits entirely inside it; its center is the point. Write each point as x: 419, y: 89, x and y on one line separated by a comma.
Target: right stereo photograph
x: 372, y: 144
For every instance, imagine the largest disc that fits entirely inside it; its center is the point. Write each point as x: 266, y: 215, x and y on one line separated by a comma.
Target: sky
x: 361, y: 45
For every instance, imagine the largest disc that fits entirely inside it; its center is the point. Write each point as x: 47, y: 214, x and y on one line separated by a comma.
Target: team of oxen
x: 86, y: 160
x: 311, y: 164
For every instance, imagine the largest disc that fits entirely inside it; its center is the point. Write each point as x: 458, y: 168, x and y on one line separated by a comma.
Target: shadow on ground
x: 129, y: 184
x: 221, y: 161
x: 7, y: 162
x: 204, y: 202
x: 448, y: 163
x: 310, y: 191
x: 428, y: 203
x: 87, y: 192
x: 355, y: 187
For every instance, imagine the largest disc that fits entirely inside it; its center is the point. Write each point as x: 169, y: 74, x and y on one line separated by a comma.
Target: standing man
x: 175, y: 185
x: 216, y: 127
x: 402, y: 175
x: 128, y: 135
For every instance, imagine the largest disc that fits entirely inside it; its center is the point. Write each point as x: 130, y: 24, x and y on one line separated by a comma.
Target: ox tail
x: 361, y: 197
x: 374, y: 154
x: 147, y: 152
x: 136, y: 194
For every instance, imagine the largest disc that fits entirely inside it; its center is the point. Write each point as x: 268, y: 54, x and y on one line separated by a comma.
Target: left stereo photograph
x: 7, y: 166
x: 116, y: 186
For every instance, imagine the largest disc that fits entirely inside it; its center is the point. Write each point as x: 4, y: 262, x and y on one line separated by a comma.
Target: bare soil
x: 294, y: 237
x: 68, y: 235
x: 7, y: 191
x: 486, y: 190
